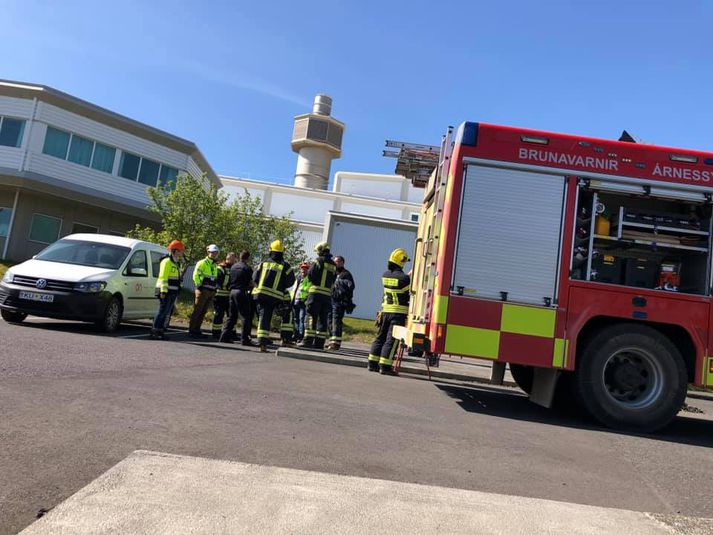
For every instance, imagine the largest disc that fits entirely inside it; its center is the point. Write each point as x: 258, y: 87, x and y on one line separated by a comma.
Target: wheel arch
x: 677, y: 335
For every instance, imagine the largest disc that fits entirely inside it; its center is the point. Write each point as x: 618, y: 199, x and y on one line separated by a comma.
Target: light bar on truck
x: 682, y: 158
x: 535, y: 139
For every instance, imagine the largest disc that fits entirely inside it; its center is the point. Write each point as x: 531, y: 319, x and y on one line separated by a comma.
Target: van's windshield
x: 85, y: 253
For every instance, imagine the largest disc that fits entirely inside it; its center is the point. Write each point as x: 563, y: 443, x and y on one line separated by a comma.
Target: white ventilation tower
x: 317, y: 139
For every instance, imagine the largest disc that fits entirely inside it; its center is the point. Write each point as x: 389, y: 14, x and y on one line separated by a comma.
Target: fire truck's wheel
x: 631, y: 376
x: 12, y: 317
x: 523, y: 376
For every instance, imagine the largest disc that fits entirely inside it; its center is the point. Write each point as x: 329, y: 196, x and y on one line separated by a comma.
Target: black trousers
x: 384, y: 346
x: 221, y: 306
x: 240, y: 306
x: 318, y: 308
x: 265, y: 309
x: 336, y: 323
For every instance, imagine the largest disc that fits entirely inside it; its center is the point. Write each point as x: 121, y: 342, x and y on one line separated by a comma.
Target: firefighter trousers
x: 240, y: 306
x: 318, y: 308
x: 221, y: 304
x: 287, y: 327
x: 336, y: 323
x: 384, y: 346
x: 265, y: 308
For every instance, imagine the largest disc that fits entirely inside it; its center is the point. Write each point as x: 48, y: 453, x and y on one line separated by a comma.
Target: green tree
x: 198, y: 213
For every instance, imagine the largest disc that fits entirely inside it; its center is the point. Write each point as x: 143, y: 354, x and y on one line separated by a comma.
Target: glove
x: 162, y: 295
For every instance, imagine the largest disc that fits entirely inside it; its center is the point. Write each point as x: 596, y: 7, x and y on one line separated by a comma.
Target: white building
x: 67, y: 166
x: 364, y: 218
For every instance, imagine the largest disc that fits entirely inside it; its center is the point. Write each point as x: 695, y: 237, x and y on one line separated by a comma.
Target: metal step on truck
x: 584, y: 264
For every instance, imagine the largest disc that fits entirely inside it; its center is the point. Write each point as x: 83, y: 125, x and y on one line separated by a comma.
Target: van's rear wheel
x: 13, y: 317
x: 631, y: 376
x: 112, y: 316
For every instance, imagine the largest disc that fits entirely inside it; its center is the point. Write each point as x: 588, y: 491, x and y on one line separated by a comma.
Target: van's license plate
x: 32, y: 296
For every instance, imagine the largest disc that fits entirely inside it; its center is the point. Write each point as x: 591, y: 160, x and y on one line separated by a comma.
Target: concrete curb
x: 359, y: 363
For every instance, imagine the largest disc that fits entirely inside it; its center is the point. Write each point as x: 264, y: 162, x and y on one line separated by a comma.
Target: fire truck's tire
x: 632, y: 377
x: 12, y: 317
x: 523, y: 376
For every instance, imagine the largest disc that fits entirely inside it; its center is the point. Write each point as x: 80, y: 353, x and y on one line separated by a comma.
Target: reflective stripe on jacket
x: 205, y: 274
x: 322, y: 275
x: 397, y: 286
x: 169, y: 276
x: 272, y: 279
x: 222, y: 281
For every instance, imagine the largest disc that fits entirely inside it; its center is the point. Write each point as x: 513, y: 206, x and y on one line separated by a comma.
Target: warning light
x: 535, y: 139
x: 683, y: 158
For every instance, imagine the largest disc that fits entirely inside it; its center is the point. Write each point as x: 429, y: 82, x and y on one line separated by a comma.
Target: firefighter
x: 240, y: 284
x: 299, y: 300
x: 342, y: 302
x: 205, y: 277
x: 167, y: 287
x: 272, y: 278
x: 321, y: 274
x: 221, y: 303
x: 394, y: 309
x: 287, y: 327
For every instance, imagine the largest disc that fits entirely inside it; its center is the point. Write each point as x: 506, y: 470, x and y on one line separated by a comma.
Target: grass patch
x: 359, y: 330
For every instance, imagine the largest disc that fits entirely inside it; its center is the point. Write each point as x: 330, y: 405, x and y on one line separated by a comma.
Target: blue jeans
x: 165, y: 309
x: 300, y: 318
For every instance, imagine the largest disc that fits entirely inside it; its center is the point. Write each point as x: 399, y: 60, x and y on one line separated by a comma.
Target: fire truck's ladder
x: 414, y: 161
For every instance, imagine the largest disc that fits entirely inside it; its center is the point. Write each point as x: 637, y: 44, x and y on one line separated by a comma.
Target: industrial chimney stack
x: 317, y: 139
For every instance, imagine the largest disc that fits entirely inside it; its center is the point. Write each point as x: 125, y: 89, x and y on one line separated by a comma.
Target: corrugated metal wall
x: 366, y: 246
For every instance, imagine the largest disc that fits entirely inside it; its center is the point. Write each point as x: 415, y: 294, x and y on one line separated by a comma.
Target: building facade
x: 69, y: 166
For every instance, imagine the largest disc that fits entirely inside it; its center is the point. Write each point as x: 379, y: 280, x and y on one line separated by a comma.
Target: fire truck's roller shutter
x: 509, y: 235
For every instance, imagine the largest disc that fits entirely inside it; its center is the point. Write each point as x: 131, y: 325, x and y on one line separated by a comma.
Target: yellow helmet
x: 399, y: 257
x: 321, y: 246
x: 277, y: 247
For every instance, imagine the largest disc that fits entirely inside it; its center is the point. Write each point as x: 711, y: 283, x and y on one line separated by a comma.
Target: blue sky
x: 231, y: 75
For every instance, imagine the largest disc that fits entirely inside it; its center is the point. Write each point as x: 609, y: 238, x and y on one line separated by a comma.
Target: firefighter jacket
x: 241, y: 276
x: 397, y: 286
x: 222, y: 280
x: 273, y: 277
x: 322, y: 275
x: 169, y: 276
x: 343, y: 289
x: 301, y: 289
x: 205, y: 274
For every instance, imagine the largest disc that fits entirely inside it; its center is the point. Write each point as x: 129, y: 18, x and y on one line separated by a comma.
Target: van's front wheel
x: 112, y: 316
x: 631, y: 377
x: 12, y: 316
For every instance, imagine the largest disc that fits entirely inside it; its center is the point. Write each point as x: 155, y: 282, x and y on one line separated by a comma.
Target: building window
x: 5, y: 215
x: 168, y: 176
x: 80, y: 150
x: 56, y: 143
x: 103, y: 159
x: 129, y: 167
x: 414, y: 217
x: 81, y: 228
x: 44, y: 228
x: 148, y: 174
x: 11, y: 131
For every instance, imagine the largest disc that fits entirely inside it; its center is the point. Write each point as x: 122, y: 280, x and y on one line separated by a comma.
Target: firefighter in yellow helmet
x: 272, y: 278
x: 322, y: 274
x: 394, y: 309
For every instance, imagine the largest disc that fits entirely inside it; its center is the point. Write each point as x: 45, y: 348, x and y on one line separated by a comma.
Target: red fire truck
x: 575, y: 260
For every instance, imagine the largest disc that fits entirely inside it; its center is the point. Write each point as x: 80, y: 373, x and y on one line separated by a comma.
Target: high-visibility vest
x: 205, y: 274
x: 325, y: 274
x: 169, y: 276
x: 302, y: 290
x: 396, y: 292
x: 271, y: 273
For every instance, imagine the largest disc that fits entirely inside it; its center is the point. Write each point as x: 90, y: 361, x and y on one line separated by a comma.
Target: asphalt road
x: 74, y: 403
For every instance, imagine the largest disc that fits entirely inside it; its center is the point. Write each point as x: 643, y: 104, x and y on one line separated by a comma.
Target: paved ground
x: 73, y: 404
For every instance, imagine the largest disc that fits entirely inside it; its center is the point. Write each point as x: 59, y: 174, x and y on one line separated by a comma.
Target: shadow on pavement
x: 516, y: 406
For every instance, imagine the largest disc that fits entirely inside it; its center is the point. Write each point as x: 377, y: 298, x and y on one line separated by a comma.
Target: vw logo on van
x: 41, y: 284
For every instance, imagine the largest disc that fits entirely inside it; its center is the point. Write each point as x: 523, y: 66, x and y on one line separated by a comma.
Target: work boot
x: 248, y: 343
x: 225, y: 339
x: 319, y: 343
x: 307, y: 344
x: 216, y: 335
x: 372, y: 366
x: 263, y: 348
x: 286, y: 343
x: 196, y: 334
x: 333, y: 347
x: 154, y: 334
x: 386, y: 370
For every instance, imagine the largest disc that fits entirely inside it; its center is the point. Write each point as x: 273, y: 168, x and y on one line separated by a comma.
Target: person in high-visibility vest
x: 272, y: 278
x: 205, y: 277
x: 167, y: 287
x: 322, y: 275
x: 394, y: 310
x: 221, y: 303
x: 299, y: 301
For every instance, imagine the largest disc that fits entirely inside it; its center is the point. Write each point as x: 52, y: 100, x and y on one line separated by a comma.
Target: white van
x: 86, y: 277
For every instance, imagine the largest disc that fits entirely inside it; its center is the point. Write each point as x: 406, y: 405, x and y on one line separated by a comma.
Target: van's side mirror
x: 137, y: 272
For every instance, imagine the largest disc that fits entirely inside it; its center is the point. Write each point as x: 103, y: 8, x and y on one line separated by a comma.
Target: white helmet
x: 213, y: 248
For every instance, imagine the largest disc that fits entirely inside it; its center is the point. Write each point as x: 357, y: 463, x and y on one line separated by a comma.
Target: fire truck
x: 583, y: 264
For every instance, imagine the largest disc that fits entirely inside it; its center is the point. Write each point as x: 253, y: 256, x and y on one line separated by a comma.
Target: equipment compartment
x: 642, y: 241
